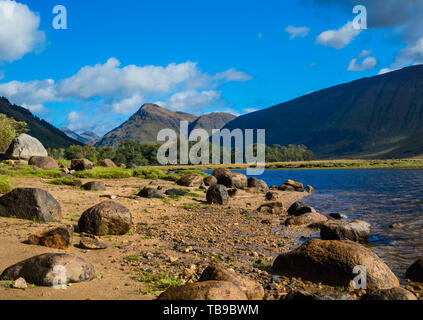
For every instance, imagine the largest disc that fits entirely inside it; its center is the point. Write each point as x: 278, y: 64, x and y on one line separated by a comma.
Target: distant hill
x: 86, y: 137
x: 147, y: 122
x: 380, y: 116
x: 50, y: 136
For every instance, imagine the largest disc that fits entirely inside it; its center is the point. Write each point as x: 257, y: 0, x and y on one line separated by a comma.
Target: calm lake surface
x: 380, y: 197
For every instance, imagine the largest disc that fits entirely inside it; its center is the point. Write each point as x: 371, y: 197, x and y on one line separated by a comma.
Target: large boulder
x: 43, y: 162
x: 394, y: 294
x: 106, y: 218
x: 58, y: 238
x: 338, y: 230
x: 230, y: 179
x: 107, y: 163
x: 151, y: 193
x: 332, y: 262
x: 252, y: 289
x: 30, y: 204
x: 81, y: 164
x: 190, y: 180
x: 24, y: 147
x: 48, y: 269
x: 217, y: 194
x: 205, y: 290
x: 260, y: 184
x: 415, y: 272
x: 299, y: 208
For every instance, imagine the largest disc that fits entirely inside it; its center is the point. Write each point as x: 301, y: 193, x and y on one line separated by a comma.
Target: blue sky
x: 192, y: 56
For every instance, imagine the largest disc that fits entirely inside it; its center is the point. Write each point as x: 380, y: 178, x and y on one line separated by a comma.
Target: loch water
x: 379, y: 196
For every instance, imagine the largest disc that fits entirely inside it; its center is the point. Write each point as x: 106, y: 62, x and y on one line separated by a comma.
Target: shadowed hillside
x: 50, y: 136
x: 368, y: 116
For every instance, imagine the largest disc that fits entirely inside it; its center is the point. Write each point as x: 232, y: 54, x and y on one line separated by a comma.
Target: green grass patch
x: 66, y: 181
x: 150, y: 173
x: 262, y: 263
x: 104, y: 173
x: 5, y: 185
x: 159, y: 281
x: 27, y: 171
x: 195, y: 195
x: 132, y: 258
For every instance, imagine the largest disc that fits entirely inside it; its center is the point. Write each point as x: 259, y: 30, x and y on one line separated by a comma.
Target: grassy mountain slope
x: 362, y: 117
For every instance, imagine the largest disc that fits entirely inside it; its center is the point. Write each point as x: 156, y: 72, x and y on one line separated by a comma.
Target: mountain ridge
x: 360, y: 117
x: 144, y: 125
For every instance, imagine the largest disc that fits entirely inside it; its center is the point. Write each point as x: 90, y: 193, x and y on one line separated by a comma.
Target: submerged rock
x: 338, y: 230
x: 332, y: 262
x: 299, y: 208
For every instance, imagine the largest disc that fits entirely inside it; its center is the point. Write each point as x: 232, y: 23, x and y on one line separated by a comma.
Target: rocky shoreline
x: 135, y: 238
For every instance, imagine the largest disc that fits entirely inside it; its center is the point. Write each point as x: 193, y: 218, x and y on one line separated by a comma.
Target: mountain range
x: 379, y: 117
x: 146, y: 123
x: 50, y: 136
x: 85, y: 137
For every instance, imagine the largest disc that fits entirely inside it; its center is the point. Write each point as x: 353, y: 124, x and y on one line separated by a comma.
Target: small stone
x: 20, y: 284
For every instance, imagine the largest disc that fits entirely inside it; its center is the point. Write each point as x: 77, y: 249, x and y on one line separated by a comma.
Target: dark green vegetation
x: 132, y: 153
x: 50, y: 136
x: 146, y: 123
x: 9, y: 129
x: 378, y: 117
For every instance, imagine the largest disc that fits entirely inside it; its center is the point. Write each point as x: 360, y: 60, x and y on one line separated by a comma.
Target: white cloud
x: 295, y: 32
x: 338, y: 38
x: 232, y: 75
x: 192, y: 101
x: 366, y: 64
x: 410, y: 55
x: 384, y: 70
x: 19, y: 32
x: 31, y: 92
x: 121, y: 90
x: 128, y: 106
x: 35, y: 108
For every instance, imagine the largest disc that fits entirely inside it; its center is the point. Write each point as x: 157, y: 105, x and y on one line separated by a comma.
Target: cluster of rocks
x: 106, y: 218
x: 294, y: 186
